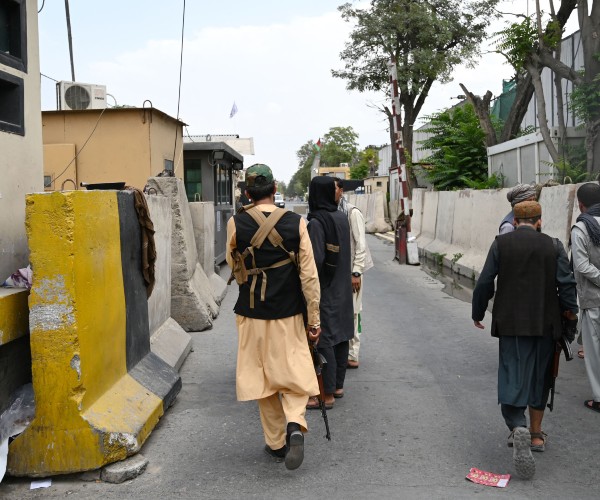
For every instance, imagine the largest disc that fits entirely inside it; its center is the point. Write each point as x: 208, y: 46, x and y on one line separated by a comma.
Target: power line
x: 179, y: 89
x: 82, y: 147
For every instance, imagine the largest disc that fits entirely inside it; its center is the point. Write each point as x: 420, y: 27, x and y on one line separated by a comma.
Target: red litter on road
x: 488, y: 478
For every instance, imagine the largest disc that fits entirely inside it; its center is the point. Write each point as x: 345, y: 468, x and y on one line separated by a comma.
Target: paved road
x: 419, y: 412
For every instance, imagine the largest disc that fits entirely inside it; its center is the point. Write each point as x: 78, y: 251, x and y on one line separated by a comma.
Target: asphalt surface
x: 417, y: 415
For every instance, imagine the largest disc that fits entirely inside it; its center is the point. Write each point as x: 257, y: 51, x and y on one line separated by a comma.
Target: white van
x: 279, y: 201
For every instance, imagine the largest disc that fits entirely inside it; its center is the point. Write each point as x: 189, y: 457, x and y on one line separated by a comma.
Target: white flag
x: 233, y: 110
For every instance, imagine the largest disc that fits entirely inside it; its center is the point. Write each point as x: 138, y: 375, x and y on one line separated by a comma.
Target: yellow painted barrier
x: 89, y: 410
x: 14, y: 314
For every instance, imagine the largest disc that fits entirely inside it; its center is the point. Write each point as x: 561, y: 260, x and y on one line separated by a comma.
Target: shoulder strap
x: 266, y: 226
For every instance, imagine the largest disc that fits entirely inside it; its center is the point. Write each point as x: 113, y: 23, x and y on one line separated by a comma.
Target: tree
x: 427, y: 39
x: 339, y: 146
x: 529, y: 48
x: 459, y: 158
x: 301, y: 179
x: 367, y: 164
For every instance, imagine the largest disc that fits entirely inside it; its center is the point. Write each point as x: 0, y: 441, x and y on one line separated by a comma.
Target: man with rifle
x: 535, y: 290
x: 271, y: 256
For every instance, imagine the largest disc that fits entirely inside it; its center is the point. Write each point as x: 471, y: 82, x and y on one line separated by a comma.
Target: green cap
x: 258, y: 175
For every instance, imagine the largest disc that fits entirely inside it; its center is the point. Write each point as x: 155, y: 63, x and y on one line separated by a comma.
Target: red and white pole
x: 400, y: 157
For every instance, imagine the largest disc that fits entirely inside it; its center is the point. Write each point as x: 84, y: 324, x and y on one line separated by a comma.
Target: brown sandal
x: 313, y: 404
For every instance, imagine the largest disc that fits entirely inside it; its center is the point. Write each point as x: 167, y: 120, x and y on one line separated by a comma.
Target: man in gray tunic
x: 535, y: 286
x: 585, y: 249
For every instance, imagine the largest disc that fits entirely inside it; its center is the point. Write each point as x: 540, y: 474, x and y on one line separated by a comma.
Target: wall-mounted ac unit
x: 75, y: 95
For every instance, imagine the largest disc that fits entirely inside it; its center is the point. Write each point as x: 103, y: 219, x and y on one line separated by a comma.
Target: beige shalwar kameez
x: 274, y: 364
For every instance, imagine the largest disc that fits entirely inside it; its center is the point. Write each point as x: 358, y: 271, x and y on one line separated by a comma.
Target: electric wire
x: 175, y: 166
x: 42, y: 7
x: 49, y: 77
x: 82, y: 147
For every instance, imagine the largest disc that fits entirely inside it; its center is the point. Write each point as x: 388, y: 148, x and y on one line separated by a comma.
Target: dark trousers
x: 334, y: 372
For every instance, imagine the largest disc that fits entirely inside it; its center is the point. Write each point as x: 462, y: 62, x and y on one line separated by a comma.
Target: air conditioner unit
x: 77, y: 96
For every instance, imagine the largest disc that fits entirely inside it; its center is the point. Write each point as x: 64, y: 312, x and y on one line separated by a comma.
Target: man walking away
x: 361, y: 262
x: 274, y: 267
x: 585, y: 251
x: 535, y: 286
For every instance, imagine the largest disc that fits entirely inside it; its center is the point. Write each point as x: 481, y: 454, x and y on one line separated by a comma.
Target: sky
x: 273, y: 58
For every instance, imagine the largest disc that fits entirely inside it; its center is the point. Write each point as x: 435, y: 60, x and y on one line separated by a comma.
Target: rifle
x: 319, y: 360
x: 562, y: 345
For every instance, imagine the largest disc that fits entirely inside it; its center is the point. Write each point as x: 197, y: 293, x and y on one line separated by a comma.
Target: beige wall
x: 129, y: 145
x: 21, y: 158
x: 335, y: 172
x: 371, y: 184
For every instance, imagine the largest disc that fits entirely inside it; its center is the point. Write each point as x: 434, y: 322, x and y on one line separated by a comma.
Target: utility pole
x: 70, y: 39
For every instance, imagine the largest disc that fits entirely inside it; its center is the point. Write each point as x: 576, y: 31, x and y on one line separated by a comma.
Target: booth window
x: 13, y: 34
x: 12, y: 107
x: 193, y: 178
x: 223, y: 182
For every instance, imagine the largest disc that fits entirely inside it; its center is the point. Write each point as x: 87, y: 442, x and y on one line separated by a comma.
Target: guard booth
x: 209, y: 175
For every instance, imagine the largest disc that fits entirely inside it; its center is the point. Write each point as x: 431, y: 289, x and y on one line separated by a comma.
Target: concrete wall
x: 192, y: 302
x: 21, y: 158
x: 129, y: 145
x: 203, y: 222
x: 159, y: 303
x: 372, y: 207
x: 463, y: 224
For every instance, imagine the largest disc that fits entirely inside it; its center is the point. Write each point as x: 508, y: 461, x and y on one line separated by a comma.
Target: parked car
x: 279, y: 201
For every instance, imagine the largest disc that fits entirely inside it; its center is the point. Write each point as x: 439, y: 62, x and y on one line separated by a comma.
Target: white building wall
x: 21, y: 158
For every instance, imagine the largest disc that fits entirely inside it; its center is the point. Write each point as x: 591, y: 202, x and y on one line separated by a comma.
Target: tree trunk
x: 533, y: 70
x: 482, y: 109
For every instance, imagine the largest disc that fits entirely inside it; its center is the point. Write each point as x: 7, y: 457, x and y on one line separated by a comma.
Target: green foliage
x: 359, y: 171
x: 585, y: 98
x: 427, y: 39
x: 516, y: 40
x: 459, y: 158
x: 339, y: 145
x: 572, y: 167
x: 366, y: 159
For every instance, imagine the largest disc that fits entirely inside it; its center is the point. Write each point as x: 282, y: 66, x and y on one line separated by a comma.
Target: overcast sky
x: 273, y: 58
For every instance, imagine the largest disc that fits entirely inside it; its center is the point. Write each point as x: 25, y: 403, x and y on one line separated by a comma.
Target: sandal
x: 592, y: 405
x: 580, y: 353
x: 539, y: 435
x: 313, y: 404
x: 338, y: 395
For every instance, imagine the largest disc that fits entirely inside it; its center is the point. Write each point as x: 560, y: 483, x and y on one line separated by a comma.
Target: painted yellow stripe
x: 14, y: 314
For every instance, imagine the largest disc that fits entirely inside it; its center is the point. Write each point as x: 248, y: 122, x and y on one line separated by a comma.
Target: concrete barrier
x: 192, y: 302
x: 99, y: 391
x: 203, y: 221
x: 442, y: 241
x: 429, y: 220
x: 557, y: 211
x: 168, y: 340
x: 15, y: 354
x: 416, y: 222
x: 372, y: 207
x: 463, y: 224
